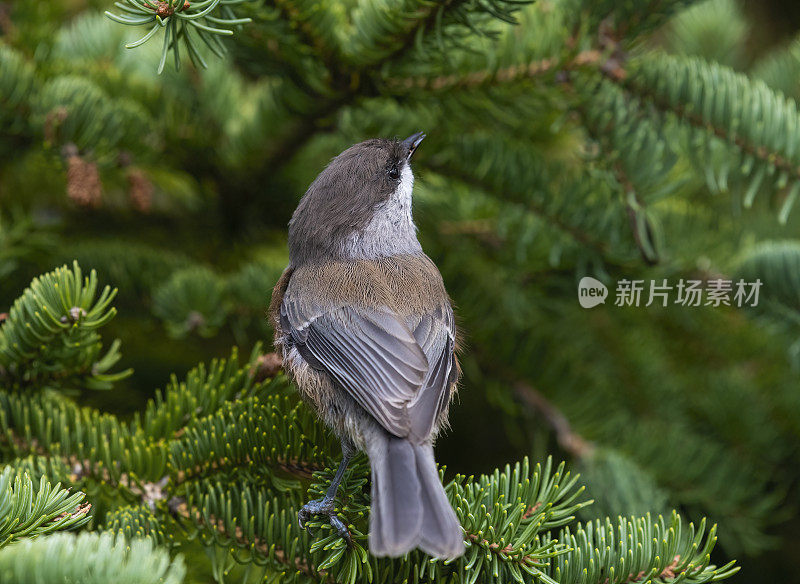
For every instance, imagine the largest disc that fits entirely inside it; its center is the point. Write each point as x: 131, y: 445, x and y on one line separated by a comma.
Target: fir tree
x: 624, y: 139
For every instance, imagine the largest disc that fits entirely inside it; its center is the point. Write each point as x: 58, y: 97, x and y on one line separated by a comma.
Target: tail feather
x: 409, y: 505
x: 440, y: 535
x: 396, y: 516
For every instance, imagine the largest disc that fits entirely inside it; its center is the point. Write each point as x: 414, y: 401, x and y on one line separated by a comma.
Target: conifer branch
x: 27, y: 512
x: 192, y: 301
x: 541, y: 500
x: 682, y: 553
x: 761, y: 128
x: 381, y: 35
x: 277, y: 553
x: 611, y: 122
x: 49, y: 338
x: 89, y: 558
x: 474, y: 79
x: 535, y: 191
x: 317, y: 25
x: 138, y: 521
x: 626, y: 20
x: 224, y: 457
x: 99, y: 444
x: 578, y: 235
x: 72, y: 111
x: 180, y: 21
x: 698, y: 120
x: 17, y: 84
x: 274, y: 433
x: 206, y: 388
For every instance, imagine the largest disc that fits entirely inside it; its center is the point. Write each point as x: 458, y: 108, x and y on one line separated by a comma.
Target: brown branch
x: 668, y: 573
x: 80, y: 511
x: 509, y: 74
x: 298, y: 468
x: 507, y: 553
x: 475, y: 78
x: 568, y: 439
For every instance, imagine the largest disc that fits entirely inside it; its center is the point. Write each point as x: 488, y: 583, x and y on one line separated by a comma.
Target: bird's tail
x: 409, y: 505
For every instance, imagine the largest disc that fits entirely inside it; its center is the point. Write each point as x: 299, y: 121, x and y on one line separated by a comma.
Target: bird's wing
x: 371, y: 353
x: 435, y: 334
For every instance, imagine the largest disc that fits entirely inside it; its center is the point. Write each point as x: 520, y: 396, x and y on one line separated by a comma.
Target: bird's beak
x: 412, y: 142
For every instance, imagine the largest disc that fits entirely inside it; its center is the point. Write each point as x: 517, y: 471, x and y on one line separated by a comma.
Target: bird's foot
x: 323, y: 507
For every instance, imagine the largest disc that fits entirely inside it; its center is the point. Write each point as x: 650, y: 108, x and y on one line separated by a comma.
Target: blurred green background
x: 177, y: 189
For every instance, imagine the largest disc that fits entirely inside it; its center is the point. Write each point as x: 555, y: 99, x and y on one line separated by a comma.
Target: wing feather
x: 369, y: 353
x: 400, y: 370
x: 435, y: 333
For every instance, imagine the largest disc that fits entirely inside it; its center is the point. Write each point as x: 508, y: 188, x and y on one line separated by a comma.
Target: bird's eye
x: 393, y: 172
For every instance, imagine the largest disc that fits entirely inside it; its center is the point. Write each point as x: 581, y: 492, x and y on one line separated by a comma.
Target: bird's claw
x: 323, y: 507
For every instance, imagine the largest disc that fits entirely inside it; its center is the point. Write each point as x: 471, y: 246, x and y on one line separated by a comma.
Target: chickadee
x: 366, y: 330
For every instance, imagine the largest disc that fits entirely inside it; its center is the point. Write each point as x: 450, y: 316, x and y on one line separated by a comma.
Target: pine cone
x: 83, y: 182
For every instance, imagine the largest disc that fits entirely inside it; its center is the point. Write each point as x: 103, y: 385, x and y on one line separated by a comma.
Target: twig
x: 568, y: 439
x: 505, y: 75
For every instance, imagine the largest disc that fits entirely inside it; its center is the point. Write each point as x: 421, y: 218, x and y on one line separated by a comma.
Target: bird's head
x: 359, y: 207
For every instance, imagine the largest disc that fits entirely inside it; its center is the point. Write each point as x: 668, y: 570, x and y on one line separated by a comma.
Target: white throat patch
x: 391, y: 230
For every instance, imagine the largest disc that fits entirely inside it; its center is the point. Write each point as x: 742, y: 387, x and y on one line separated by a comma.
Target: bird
x: 366, y: 330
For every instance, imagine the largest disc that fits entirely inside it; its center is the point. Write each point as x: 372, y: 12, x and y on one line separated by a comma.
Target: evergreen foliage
x: 643, y: 140
x: 49, y: 337
x: 90, y: 558
x: 30, y: 512
x: 229, y: 455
